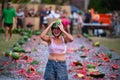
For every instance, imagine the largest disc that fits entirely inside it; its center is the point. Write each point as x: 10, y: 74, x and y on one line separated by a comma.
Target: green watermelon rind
x: 15, y: 56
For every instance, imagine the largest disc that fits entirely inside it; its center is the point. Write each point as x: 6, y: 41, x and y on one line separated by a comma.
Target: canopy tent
x: 74, y: 9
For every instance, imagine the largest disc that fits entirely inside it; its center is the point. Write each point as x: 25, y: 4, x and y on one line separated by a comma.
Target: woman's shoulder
x: 64, y: 39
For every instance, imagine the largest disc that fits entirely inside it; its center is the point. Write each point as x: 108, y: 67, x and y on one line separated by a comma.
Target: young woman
x: 56, y: 68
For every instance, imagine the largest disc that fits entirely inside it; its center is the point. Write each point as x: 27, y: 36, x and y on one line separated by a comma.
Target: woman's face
x: 56, y: 32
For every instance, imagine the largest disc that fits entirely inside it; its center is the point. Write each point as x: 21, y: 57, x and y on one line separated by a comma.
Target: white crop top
x: 57, y: 48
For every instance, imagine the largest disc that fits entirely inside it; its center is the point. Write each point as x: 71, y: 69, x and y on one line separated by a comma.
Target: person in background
x: 8, y: 15
x: 20, y: 18
x: 57, y: 14
x: 43, y: 12
x: 71, y: 22
x: 56, y: 68
x: 65, y: 22
x: 95, y: 17
x: 32, y: 12
x: 114, y: 20
x: 80, y: 24
x: 30, y: 26
x: 87, y: 19
x: 51, y: 12
x: 95, y: 20
x: 45, y: 21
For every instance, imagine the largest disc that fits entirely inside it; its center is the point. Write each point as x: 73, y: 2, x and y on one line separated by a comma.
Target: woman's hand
x: 61, y: 27
x: 68, y: 37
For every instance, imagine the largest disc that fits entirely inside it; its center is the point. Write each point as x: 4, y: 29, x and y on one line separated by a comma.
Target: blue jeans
x: 56, y: 70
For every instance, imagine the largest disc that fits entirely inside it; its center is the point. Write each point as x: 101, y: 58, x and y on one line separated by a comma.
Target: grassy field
x: 4, y: 46
x: 111, y: 43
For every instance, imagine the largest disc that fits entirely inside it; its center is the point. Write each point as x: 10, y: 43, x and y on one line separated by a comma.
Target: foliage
x: 48, y: 1
x: 15, y: 1
x: 1, y: 30
x: 103, y: 6
x: 20, y: 1
x: 53, y: 1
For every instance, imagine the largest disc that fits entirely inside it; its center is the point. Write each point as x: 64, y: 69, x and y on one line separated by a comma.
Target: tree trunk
x: 4, y: 3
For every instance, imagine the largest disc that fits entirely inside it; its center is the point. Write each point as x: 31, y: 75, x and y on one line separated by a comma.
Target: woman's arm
x: 43, y: 34
x: 68, y: 37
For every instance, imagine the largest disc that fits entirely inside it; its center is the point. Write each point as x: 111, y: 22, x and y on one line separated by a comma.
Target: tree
x: 3, y: 3
x: 104, y: 5
x: 54, y: 1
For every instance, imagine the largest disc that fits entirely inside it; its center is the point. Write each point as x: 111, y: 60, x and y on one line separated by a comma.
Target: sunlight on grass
x: 110, y: 43
x: 7, y: 45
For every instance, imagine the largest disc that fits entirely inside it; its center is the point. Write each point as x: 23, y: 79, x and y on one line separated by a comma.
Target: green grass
x: 4, y: 46
x: 113, y: 43
x: 110, y: 43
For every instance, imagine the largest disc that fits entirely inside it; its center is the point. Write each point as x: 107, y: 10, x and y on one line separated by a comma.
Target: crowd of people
x: 47, y: 14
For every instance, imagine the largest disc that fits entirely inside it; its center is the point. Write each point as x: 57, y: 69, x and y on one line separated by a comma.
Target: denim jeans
x: 56, y: 70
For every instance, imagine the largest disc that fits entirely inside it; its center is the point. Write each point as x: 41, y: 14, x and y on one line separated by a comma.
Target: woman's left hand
x: 61, y: 27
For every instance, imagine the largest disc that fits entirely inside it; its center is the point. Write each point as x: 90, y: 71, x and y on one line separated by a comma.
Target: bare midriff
x: 57, y: 57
